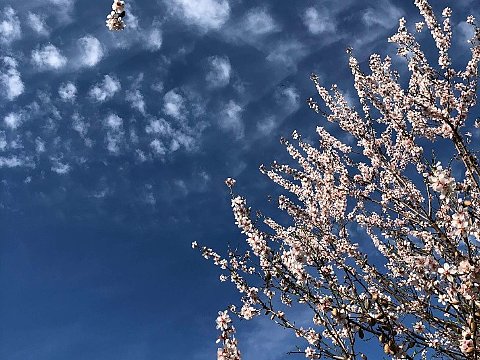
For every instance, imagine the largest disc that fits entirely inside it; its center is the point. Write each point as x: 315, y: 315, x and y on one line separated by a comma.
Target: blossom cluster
x: 229, y: 350
x: 115, y: 17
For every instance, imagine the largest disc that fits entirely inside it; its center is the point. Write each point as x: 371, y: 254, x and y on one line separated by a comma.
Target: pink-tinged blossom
x: 460, y: 223
x: 447, y: 271
x: 223, y: 320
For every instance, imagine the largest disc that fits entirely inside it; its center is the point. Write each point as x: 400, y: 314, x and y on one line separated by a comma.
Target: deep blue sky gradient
x: 95, y: 256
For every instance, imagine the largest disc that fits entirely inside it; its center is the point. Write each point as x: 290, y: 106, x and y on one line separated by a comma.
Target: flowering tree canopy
x: 415, y: 291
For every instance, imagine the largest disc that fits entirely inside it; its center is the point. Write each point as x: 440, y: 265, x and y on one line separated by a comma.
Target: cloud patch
x: 115, y: 134
x: 231, y: 119
x: 12, y: 120
x: 318, y: 22
x: 385, y: 15
x: 154, y: 39
x: 48, y: 57
x: 219, y: 72
x: 12, y: 84
x: 15, y: 161
x: 287, y: 52
x: 105, y: 90
x: 135, y: 98
x: 67, y: 91
x: 289, y: 98
x: 91, y: 50
x: 267, y: 125
x: 38, y: 24
x: 205, y: 14
x: 174, y: 105
x: 59, y: 167
x: 10, y: 29
x: 259, y: 22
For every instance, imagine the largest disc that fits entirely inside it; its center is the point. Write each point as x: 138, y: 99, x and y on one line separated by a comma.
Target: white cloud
x: 256, y: 24
x: 288, y: 101
x: 135, y: 98
x: 59, y: 167
x: 62, y: 2
x: 16, y: 143
x: 385, y: 15
x: 67, y: 91
x: 14, y: 161
x: 289, y: 98
x: 259, y: 22
x: 10, y: 79
x: 13, y: 120
x: 91, y: 50
x: 39, y: 145
x: 467, y: 32
x: 265, y: 340
x: 157, y: 86
x: 231, y: 119
x: 173, y: 105
x: 48, y: 57
x: 206, y: 14
x: 3, y: 141
x: 318, y: 22
x: 158, y: 147
x: 63, y: 9
x: 287, y: 52
x: 134, y: 95
x: 10, y: 29
x: 106, y: 89
x: 114, y: 122
x: 154, y: 39
x: 37, y: 23
x: 187, y: 138
x: 115, y: 133
x: 159, y: 126
x: 220, y: 71
x: 267, y: 125
x: 81, y: 127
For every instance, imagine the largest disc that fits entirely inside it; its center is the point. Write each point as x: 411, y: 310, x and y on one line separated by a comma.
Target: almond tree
x: 415, y: 290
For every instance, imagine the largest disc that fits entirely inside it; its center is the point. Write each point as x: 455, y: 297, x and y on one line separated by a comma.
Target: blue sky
x: 114, y: 148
